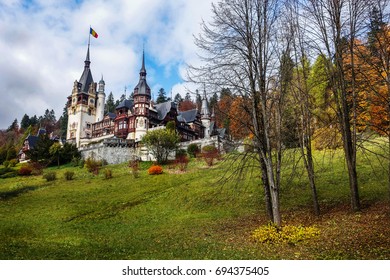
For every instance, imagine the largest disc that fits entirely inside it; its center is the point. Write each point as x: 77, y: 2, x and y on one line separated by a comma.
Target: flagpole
x: 89, y: 37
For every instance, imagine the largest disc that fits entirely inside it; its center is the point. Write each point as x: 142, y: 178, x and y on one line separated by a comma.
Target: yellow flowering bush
x: 286, y: 234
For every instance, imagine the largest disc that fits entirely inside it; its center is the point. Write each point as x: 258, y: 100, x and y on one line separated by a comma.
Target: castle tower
x: 82, y: 106
x: 101, y: 99
x: 205, y: 115
x: 142, y: 97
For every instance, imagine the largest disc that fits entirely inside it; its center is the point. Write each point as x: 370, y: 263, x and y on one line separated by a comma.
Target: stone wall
x: 113, y: 155
x: 118, y: 152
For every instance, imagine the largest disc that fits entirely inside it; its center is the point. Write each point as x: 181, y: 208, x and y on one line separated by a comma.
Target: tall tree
x: 301, y: 93
x: 241, y: 53
x: 14, y: 126
x: 178, y: 98
x: 25, y: 122
x: 330, y: 21
x: 110, y: 104
x: 64, y: 122
x: 161, y: 96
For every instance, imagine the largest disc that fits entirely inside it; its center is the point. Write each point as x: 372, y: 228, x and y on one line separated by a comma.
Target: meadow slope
x: 191, y: 215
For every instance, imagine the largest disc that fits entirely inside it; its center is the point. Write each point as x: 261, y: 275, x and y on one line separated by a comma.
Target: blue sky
x: 43, y: 45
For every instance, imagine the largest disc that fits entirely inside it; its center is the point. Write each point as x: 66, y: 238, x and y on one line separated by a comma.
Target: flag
x: 93, y: 32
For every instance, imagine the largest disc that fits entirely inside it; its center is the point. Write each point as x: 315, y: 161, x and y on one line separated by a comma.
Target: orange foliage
x: 155, y: 170
x: 371, y: 90
x: 240, y: 119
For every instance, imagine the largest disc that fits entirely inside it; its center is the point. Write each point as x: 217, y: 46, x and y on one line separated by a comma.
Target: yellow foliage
x: 286, y: 234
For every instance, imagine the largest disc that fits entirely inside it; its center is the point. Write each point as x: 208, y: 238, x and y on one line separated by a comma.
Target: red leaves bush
x: 182, y: 162
x: 210, y: 153
x: 155, y: 170
x: 25, y: 170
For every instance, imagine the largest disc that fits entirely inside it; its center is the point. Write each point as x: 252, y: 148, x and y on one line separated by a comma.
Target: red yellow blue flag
x: 93, y: 32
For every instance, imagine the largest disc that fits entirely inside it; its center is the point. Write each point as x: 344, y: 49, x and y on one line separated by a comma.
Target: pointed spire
x: 142, y: 72
x: 87, y: 61
x: 86, y: 77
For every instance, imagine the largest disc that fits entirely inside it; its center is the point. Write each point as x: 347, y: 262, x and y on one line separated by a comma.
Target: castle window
x: 89, y: 112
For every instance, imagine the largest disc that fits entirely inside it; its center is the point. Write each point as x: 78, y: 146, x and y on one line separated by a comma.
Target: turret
x: 142, y: 97
x: 101, y: 99
x: 205, y: 115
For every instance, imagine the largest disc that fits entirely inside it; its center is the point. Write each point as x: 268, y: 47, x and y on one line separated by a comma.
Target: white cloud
x: 43, y: 47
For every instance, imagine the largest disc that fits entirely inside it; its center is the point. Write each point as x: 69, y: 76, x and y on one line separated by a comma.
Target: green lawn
x: 190, y: 215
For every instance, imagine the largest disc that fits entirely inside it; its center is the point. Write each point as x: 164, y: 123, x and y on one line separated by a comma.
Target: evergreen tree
x: 110, y: 104
x: 41, y: 150
x: 25, y: 122
x: 188, y: 97
x: 34, y: 120
x: 178, y: 98
x: 14, y: 126
x: 123, y: 97
x: 64, y: 122
x: 213, y: 101
x: 376, y: 27
x: 198, y: 100
x: 161, y: 96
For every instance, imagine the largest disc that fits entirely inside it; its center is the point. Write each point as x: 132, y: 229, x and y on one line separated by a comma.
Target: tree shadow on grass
x: 14, y: 193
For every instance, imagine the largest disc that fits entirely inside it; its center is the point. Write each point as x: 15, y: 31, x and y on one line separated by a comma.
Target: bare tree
x: 334, y: 27
x: 240, y: 52
x: 301, y: 95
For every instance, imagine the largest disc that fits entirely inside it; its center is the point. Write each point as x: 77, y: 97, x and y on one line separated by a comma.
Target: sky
x: 43, y: 45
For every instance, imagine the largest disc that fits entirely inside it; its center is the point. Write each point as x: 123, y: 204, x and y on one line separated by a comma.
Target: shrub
x: 134, y: 167
x: 6, y: 163
x: 77, y: 162
x: 182, y: 162
x: 107, y: 173
x: 37, y: 168
x: 25, y: 170
x: 193, y: 150
x: 13, y: 162
x: 68, y: 175
x: 7, y: 172
x: 155, y: 170
x: 93, y: 165
x: 210, y: 153
x: 50, y: 176
x: 285, y: 234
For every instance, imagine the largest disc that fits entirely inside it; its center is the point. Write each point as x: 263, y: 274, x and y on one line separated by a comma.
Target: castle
x: 133, y: 118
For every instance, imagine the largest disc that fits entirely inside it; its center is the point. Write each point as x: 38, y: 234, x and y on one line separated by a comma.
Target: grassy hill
x: 191, y: 215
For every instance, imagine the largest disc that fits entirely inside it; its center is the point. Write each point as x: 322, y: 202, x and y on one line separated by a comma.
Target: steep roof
x: 111, y: 115
x: 128, y: 104
x: 86, y: 78
x: 187, y: 116
x: 142, y: 87
x: 32, y: 140
x: 163, y: 109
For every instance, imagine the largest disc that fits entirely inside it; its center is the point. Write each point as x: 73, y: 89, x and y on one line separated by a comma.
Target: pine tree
x: 161, y: 96
x: 25, y: 122
x: 110, y: 104
x: 64, y: 122
x: 178, y: 98
x: 14, y: 126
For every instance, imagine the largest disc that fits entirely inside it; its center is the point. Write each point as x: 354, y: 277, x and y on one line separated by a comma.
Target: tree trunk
x: 267, y: 191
